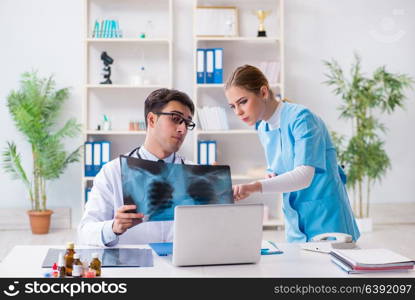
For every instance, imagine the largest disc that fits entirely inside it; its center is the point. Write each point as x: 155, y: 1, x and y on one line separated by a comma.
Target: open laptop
x: 217, y: 234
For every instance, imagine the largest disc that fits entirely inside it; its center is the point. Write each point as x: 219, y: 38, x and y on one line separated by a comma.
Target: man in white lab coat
x: 106, y: 220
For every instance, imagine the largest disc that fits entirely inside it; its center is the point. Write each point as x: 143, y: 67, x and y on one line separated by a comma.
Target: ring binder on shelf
x: 88, y: 157
x: 211, y: 152
x: 206, y: 152
x: 202, y: 153
x: 105, y: 152
x: 210, y: 65
x: 97, y: 157
x: 218, y: 70
x: 200, y: 63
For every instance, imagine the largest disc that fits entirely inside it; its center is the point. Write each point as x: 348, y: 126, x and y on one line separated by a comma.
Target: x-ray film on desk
x: 156, y: 188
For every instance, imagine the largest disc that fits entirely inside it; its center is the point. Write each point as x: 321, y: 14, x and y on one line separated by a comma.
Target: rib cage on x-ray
x: 156, y: 188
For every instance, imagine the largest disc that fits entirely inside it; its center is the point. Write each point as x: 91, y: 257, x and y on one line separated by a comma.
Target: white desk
x: 294, y: 262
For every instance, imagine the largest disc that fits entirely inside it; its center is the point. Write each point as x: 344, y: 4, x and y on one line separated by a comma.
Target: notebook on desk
x: 370, y: 260
x: 217, y: 234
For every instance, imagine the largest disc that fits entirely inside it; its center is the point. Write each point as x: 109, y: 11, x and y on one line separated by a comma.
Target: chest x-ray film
x: 156, y: 188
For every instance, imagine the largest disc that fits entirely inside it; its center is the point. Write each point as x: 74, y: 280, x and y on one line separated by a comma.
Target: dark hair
x: 250, y: 78
x: 158, y: 99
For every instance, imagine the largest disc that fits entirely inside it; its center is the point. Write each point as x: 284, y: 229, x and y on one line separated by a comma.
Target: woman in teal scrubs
x: 300, y: 156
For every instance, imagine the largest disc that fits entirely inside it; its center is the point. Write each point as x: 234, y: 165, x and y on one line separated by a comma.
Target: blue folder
x: 105, y: 152
x: 202, y: 152
x: 211, y: 153
x: 89, y: 156
x: 87, y: 193
x: 218, y: 69
x: 165, y: 249
x: 210, y: 65
x: 97, y: 157
x: 200, y: 65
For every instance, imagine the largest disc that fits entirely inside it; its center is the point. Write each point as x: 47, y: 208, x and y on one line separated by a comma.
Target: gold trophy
x: 262, y: 14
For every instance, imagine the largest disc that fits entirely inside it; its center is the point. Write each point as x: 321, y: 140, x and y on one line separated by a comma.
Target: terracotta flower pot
x: 40, y: 221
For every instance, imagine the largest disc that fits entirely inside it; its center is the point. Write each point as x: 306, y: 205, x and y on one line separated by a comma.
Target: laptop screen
x: 157, y: 188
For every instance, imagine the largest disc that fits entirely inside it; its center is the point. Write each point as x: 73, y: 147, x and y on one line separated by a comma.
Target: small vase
x: 364, y: 224
x: 40, y: 221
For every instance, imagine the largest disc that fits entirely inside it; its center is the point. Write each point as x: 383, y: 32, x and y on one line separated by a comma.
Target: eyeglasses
x: 178, y: 119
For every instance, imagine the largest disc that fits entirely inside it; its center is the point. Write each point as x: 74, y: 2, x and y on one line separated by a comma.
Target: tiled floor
x: 400, y: 238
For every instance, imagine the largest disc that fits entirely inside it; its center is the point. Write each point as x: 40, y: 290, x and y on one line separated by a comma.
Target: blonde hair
x: 249, y: 78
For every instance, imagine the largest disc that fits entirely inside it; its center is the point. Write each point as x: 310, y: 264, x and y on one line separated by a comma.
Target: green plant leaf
x: 12, y: 164
x: 363, y: 153
x: 35, y: 108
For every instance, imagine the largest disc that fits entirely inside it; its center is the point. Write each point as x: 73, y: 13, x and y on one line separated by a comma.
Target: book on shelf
x: 106, y: 29
x: 355, y: 261
x: 213, y: 118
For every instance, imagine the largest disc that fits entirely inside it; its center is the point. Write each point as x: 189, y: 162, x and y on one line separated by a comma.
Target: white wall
x: 382, y: 32
x: 47, y: 35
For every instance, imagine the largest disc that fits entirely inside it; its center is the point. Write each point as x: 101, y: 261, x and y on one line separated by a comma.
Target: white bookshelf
x: 273, y: 222
x: 155, y: 52
x: 239, y: 146
x: 123, y: 97
x: 128, y: 40
x: 115, y: 132
x: 222, y: 85
x: 122, y: 86
x: 239, y: 39
x: 225, y: 132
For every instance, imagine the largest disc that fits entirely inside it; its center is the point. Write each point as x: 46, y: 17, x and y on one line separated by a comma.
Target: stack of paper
x: 213, y: 118
x: 370, y: 260
x: 271, y: 70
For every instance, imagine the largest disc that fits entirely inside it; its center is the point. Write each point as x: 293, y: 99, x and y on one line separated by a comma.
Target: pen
x: 278, y: 250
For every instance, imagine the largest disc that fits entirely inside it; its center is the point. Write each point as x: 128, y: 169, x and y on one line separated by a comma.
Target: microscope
x: 107, y: 60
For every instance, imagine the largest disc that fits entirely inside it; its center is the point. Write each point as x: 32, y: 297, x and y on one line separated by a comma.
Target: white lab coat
x: 104, y: 200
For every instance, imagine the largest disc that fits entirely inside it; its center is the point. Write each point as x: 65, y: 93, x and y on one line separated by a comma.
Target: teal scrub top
x: 323, y: 207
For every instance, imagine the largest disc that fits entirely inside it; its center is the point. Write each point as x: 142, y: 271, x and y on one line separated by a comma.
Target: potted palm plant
x: 363, y: 155
x: 35, y: 108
